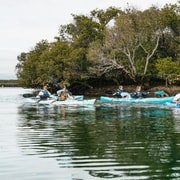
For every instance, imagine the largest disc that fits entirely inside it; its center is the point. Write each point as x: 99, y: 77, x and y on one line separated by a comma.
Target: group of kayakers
x: 120, y: 93
x: 63, y: 93
x: 140, y: 94
x: 137, y: 94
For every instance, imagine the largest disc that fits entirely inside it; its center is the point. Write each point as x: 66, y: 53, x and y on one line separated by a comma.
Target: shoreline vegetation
x: 107, y: 47
x: 9, y: 83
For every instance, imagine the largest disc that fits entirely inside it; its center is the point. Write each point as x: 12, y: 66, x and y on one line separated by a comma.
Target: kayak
x: 78, y: 97
x: 129, y: 99
x: 37, y: 100
x: 54, y: 100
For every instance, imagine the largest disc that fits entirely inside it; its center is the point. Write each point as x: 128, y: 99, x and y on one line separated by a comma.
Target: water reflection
x: 107, y: 141
x: 176, y: 114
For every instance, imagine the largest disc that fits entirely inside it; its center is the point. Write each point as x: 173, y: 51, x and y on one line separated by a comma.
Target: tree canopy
x: 107, y: 44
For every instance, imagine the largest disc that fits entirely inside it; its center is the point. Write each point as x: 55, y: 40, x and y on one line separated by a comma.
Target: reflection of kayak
x: 172, y: 105
x: 129, y: 99
x: 54, y: 100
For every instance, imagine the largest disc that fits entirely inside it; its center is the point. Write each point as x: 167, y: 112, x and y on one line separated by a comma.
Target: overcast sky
x: 23, y: 23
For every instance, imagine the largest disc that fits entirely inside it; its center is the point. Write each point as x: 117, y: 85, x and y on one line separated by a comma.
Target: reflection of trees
x: 126, y: 139
x: 47, y: 127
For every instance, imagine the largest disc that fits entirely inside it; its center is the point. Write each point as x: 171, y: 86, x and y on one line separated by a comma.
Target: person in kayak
x: 139, y: 93
x: 118, y: 92
x: 176, y: 98
x: 44, y: 93
x: 63, y: 90
x: 64, y: 93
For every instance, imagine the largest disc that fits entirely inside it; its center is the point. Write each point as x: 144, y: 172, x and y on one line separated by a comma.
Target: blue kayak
x: 160, y: 100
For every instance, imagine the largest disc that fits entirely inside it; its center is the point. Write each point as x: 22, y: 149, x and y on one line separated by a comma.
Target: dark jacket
x: 139, y: 94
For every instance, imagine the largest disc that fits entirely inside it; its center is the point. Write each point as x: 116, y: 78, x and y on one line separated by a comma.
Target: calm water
x: 107, y: 141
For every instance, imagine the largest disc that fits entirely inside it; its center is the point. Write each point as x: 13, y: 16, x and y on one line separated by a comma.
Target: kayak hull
x: 160, y: 100
x: 55, y: 101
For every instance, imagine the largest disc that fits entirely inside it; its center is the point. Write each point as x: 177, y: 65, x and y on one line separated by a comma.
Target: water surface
x: 105, y: 141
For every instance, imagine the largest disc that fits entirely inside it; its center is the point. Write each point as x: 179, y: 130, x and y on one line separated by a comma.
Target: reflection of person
x: 119, y: 91
x: 177, y: 98
x: 139, y: 93
x: 44, y: 93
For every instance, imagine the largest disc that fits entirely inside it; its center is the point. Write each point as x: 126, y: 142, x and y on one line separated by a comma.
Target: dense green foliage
x: 112, y: 44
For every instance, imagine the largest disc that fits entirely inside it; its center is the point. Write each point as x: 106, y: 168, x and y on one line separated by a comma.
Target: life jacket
x: 45, y: 94
x: 138, y: 94
x: 119, y: 91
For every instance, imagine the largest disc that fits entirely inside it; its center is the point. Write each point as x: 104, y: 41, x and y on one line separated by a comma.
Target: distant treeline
x: 9, y: 83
